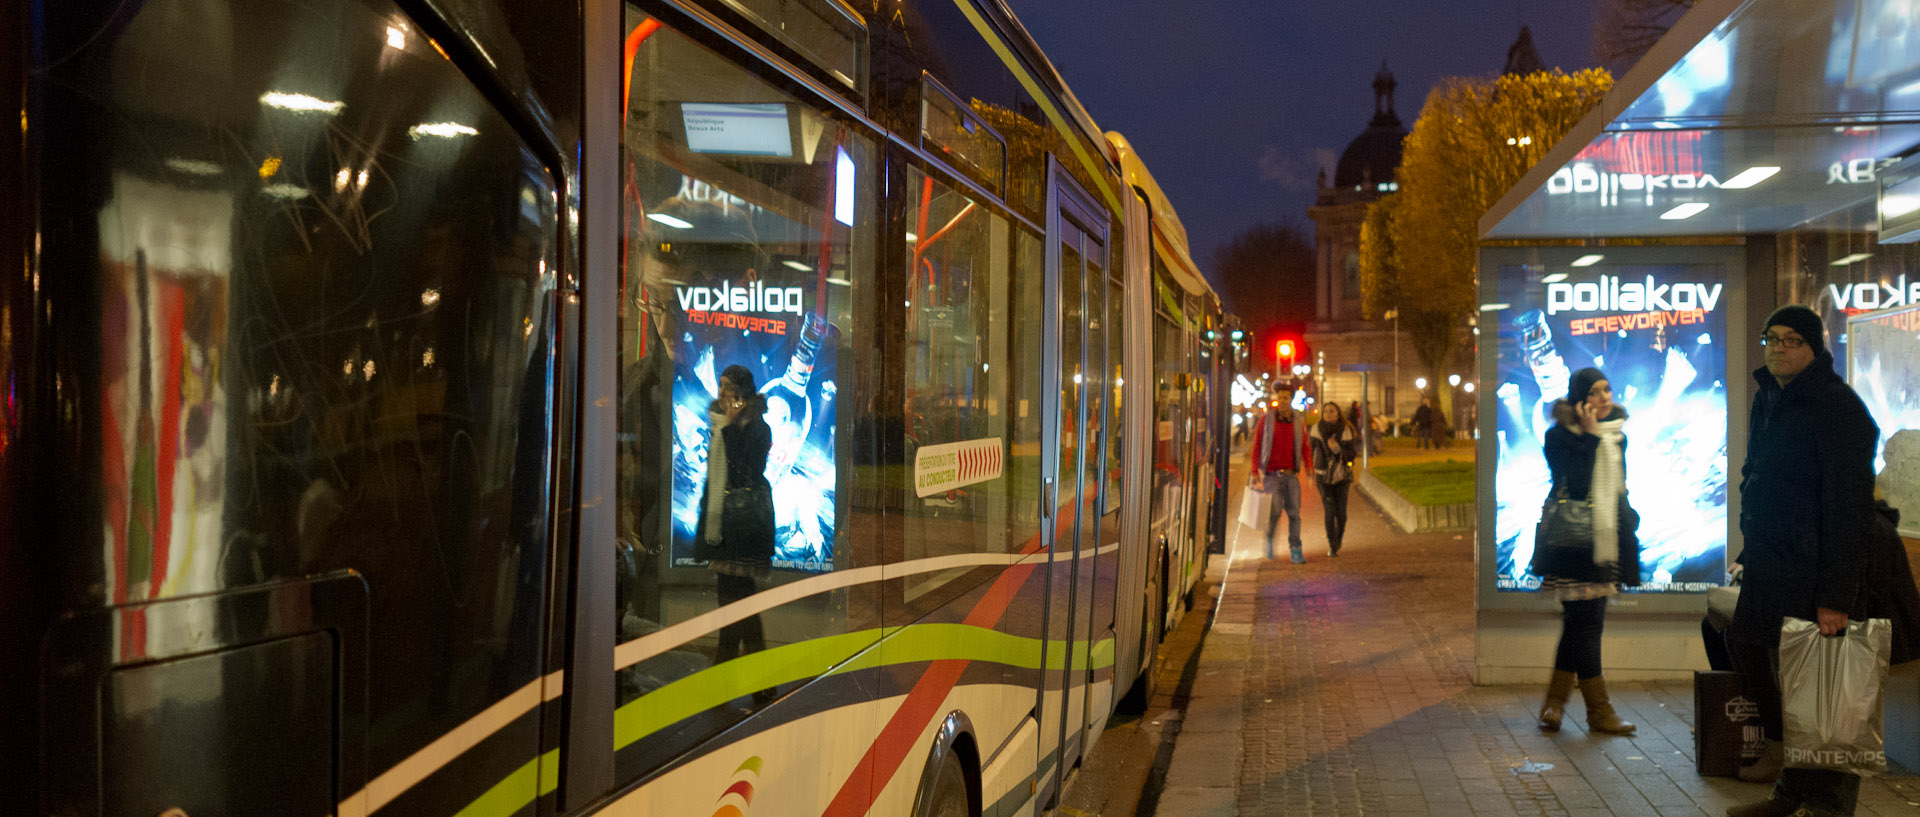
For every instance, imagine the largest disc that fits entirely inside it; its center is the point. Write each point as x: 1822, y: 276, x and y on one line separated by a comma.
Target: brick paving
x: 1344, y: 687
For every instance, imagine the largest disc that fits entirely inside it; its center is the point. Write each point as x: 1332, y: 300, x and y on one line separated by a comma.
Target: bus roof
x: 1166, y: 222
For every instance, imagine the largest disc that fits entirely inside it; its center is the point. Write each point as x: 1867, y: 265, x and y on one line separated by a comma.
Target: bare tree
x: 1623, y: 30
x: 1265, y: 275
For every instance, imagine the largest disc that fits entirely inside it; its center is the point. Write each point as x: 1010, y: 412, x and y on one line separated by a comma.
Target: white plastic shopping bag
x: 1253, y: 507
x: 1830, y: 693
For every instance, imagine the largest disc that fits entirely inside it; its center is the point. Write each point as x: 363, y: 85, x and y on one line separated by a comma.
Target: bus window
x: 830, y: 36
x: 749, y: 230
x: 1023, y: 404
x: 958, y: 366
x: 321, y: 325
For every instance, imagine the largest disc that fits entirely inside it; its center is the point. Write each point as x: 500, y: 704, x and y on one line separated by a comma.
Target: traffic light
x: 1284, y: 351
x: 1238, y: 335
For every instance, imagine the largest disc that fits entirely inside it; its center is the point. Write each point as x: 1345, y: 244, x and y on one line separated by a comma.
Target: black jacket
x: 1344, y: 448
x: 1570, y: 454
x: 1806, y: 492
x: 746, y: 513
x: 1886, y: 588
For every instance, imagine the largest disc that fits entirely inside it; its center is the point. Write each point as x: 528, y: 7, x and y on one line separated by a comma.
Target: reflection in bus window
x: 958, y: 369
x: 748, y: 240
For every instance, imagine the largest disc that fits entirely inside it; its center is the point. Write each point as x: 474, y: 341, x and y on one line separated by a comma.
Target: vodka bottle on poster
x: 789, y: 412
x: 1550, y: 372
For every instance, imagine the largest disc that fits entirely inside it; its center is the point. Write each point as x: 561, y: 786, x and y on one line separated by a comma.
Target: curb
x: 1411, y: 518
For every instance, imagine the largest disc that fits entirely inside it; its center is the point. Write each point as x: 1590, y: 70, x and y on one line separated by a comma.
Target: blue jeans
x: 1284, y: 487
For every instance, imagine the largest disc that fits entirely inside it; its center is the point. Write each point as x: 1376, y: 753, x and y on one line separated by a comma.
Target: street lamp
x: 1394, y: 315
x: 1468, y: 387
x: 1420, y: 383
x: 1453, y: 380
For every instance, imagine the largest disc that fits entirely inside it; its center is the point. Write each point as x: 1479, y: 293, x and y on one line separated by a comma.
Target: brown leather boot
x: 1558, y: 688
x: 1600, y: 714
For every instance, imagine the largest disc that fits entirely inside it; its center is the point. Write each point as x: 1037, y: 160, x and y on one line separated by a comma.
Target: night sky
x: 1236, y: 104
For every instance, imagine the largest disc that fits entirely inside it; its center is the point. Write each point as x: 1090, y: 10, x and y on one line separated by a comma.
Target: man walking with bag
x: 1276, y: 460
x: 1806, y: 492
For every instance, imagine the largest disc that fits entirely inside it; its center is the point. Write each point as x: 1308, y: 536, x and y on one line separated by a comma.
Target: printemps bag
x: 1830, y: 694
x: 1254, y: 504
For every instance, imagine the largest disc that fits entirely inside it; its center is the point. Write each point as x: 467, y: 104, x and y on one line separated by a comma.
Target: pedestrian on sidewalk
x: 1586, y: 454
x: 1276, y: 461
x: 1423, y: 425
x: 1335, y: 446
x: 1806, y: 498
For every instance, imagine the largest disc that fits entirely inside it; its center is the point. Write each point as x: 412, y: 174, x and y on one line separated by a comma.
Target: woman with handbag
x: 1585, y: 547
x: 735, y: 532
x: 1335, y: 446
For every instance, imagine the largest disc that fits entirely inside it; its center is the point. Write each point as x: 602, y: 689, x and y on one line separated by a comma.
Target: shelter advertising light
x: 1750, y: 177
x: 1688, y: 210
x: 1582, y: 261
x: 1664, y: 360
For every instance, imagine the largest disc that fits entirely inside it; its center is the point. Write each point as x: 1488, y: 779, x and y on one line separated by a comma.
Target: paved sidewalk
x: 1344, y: 687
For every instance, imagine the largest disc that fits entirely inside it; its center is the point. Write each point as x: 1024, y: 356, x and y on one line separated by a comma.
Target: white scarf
x: 1609, y: 484
x: 716, y: 475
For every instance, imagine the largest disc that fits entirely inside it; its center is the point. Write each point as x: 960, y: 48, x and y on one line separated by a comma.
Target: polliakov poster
x: 765, y: 325
x: 1659, y: 334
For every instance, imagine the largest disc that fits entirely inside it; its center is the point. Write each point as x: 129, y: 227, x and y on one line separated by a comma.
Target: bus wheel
x: 947, y: 797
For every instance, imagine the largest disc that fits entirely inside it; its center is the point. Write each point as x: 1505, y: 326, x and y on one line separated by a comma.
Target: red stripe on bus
x: 897, y: 738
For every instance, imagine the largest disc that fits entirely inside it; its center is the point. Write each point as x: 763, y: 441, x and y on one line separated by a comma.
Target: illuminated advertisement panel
x: 1659, y: 333
x: 1884, y: 369
x: 760, y: 305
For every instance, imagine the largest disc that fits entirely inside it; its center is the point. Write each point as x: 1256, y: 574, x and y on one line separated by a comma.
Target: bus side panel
x: 1134, y: 631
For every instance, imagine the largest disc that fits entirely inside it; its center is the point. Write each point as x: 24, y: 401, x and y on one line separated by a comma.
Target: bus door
x: 1073, y: 368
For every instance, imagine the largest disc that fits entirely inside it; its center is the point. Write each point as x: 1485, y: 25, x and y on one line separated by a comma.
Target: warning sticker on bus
x: 944, y: 467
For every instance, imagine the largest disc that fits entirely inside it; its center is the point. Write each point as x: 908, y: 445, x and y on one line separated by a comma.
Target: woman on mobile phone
x: 735, y: 532
x: 1586, y: 454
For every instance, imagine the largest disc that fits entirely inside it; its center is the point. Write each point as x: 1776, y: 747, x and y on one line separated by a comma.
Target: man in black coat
x: 1806, y: 490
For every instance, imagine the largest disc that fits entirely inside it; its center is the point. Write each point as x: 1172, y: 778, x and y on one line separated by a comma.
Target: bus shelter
x: 1762, y: 153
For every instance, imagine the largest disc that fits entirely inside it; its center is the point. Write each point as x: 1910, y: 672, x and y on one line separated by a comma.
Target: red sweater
x: 1285, y: 455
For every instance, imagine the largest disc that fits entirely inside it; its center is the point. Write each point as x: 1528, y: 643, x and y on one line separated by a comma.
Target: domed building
x: 1339, y: 336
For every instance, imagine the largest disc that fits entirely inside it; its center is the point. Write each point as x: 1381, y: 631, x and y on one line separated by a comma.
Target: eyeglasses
x: 1783, y: 341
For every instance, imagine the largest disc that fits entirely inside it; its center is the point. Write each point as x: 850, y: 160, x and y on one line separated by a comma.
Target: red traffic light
x: 1284, y: 349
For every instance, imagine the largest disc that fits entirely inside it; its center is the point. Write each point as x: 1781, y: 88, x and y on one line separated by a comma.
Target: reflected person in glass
x: 735, y: 531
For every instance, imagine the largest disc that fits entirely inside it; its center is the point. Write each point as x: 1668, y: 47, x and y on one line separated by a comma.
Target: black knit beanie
x: 1803, y: 320
x: 1583, y: 381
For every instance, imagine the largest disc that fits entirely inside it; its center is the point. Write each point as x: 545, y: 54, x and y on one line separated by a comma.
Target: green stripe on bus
x: 940, y: 642
x: 1040, y: 96
x: 528, y: 783
x: 804, y: 660
x: 714, y: 686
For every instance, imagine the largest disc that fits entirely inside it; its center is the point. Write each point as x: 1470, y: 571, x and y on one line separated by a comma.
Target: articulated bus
x: 356, y: 359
